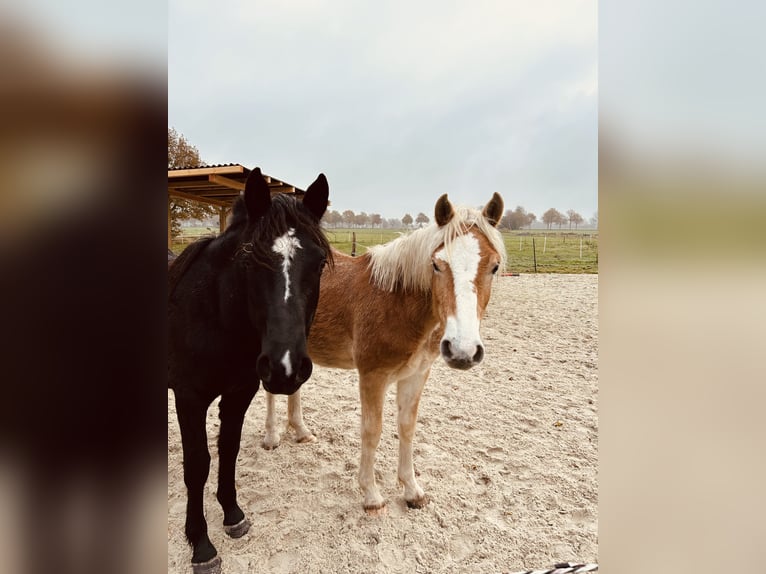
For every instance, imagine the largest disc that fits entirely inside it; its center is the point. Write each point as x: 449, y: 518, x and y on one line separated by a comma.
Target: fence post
x: 353, y: 244
x: 581, y: 248
x: 520, y: 240
x: 534, y: 254
x: 545, y: 243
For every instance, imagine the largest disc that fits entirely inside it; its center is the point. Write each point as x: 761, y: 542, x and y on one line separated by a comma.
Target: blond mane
x: 405, y: 262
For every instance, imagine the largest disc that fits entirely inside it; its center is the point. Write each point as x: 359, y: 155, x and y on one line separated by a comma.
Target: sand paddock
x: 507, y: 453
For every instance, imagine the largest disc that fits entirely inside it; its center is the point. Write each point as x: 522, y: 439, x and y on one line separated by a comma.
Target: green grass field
x: 561, y: 255
x: 555, y: 251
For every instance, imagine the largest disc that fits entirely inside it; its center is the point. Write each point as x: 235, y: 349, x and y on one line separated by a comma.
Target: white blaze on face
x: 462, y: 330
x: 287, y: 364
x: 286, y: 245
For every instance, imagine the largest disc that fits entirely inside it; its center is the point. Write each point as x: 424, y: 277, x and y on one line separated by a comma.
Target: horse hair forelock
x: 405, y: 262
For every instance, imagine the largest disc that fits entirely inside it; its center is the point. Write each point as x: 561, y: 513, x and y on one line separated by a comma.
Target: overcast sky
x: 396, y: 102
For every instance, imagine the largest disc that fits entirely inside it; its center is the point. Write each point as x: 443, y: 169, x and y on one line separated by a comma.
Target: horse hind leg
x: 295, y: 419
x: 232, y: 414
x: 271, y: 437
x: 192, y: 414
x: 408, y: 394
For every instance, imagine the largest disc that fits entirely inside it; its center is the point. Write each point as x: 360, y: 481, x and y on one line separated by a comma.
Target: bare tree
x: 375, y: 219
x: 362, y: 219
x: 348, y: 217
x: 517, y: 218
x: 407, y: 220
x: 333, y: 218
x: 574, y: 217
x: 553, y: 216
x: 422, y: 219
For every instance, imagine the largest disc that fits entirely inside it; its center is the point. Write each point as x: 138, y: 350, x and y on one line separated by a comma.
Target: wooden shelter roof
x: 219, y: 184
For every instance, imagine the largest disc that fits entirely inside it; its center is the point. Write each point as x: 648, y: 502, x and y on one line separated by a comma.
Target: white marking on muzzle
x: 285, y: 245
x: 462, y: 330
x: 287, y: 364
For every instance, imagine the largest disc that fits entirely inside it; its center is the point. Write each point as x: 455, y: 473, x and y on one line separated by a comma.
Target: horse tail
x: 182, y: 263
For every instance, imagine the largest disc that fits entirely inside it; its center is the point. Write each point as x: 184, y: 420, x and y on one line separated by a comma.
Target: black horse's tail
x: 182, y: 263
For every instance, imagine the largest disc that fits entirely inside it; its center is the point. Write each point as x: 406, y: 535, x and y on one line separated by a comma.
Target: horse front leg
x: 372, y: 391
x: 295, y: 418
x: 232, y: 409
x: 408, y: 394
x: 192, y: 414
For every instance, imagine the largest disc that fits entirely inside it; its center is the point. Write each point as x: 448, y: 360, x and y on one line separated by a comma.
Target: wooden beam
x: 170, y: 234
x: 220, y: 193
x: 206, y: 171
x: 189, y: 196
x: 226, y: 182
x: 193, y: 185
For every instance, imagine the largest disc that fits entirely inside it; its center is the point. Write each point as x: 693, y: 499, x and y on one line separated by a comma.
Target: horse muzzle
x: 461, y: 357
x: 285, y: 374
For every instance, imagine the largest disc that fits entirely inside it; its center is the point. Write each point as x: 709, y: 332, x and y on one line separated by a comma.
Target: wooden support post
x: 353, y: 245
x: 222, y: 212
x: 170, y: 234
x: 534, y: 253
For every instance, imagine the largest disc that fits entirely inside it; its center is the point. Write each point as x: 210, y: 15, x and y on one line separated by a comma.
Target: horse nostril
x: 446, y: 348
x: 479, y: 355
x: 263, y: 368
x: 304, y: 370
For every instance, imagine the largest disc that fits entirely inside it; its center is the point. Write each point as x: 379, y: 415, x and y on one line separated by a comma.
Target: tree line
x: 520, y: 218
x: 350, y: 219
x: 513, y: 219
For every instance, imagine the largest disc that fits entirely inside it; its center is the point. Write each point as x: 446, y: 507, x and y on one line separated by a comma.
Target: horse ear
x: 257, y: 195
x: 493, y: 211
x: 443, y: 212
x: 316, y: 196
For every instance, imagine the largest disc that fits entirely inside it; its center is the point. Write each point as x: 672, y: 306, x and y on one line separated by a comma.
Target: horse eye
x: 494, y: 270
x: 435, y: 267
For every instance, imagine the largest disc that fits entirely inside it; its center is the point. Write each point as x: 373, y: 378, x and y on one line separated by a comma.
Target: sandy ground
x: 507, y: 452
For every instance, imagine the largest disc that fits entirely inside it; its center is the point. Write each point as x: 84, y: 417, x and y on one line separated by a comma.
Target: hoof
x: 418, y: 502
x: 376, y: 511
x: 237, y: 530
x: 306, y: 439
x: 212, y: 566
x: 269, y: 443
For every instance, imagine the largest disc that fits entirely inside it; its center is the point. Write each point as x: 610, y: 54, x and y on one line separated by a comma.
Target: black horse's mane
x: 256, y: 239
x: 243, y: 238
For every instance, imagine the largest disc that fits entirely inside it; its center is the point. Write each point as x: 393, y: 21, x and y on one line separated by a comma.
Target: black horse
x: 239, y: 311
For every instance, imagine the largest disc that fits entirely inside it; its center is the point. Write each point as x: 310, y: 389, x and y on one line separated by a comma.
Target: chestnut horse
x: 390, y: 313
x: 239, y: 310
